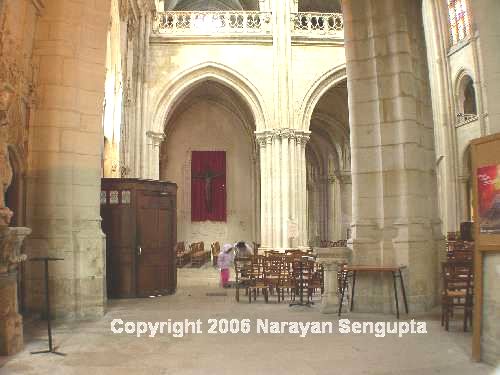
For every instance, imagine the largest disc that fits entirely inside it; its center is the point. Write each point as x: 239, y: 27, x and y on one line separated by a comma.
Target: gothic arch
x: 179, y: 87
x: 463, y: 79
x: 321, y: 85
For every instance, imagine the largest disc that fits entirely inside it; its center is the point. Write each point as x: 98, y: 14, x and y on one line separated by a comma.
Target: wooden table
x: 353, y: 270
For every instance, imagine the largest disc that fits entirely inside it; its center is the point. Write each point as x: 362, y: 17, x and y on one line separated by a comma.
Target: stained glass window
x: 459, y: 20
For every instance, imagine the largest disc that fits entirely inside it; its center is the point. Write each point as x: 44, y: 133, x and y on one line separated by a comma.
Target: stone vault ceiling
x: 326, y: 6
x: 208, y: 5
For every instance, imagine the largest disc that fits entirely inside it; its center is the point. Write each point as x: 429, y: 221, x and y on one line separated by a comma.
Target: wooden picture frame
x: 485, y: 153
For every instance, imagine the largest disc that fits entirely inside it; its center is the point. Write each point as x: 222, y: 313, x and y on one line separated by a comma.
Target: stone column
x: 282, y: 150
x: 154, y: 141
x: 301, y: 193
x: 11, y: 239
x: 264, y: 5
x: 11, y: 322
x: 6, y: 96
x: 344, y: 193
x: 63, y: 182
x: 331, y: 258
x: 464, y: 198
x: 334, y: 207
x: 283, y: 188
x: 393, y: 177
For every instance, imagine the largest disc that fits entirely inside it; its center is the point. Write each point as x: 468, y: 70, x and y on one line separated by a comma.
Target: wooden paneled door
x: 139, y: 220
x: 155, y: 271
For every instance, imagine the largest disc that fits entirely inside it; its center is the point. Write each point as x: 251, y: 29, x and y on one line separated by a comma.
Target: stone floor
x: 91, y: 348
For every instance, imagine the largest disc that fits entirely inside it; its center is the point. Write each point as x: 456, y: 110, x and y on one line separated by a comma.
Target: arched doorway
x: 212, y: 118
x: 328, y: 168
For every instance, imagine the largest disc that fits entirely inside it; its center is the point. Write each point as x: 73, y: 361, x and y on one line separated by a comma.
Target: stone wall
x: 206, y: 126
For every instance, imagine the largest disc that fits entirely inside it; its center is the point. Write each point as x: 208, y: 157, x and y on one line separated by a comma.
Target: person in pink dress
x: 224, y: 261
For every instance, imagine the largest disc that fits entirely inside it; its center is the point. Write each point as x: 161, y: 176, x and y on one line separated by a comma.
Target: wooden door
x: 119, y: 227
x: 154, y: 247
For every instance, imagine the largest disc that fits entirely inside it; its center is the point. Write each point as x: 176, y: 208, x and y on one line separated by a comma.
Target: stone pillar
x: 300, y: 195
x: 345, y: 208
x: 63, y: 182
x: 334, y: 232
x: 282, y: 149
x: 264, y: 5
x: 11, y: 322
x: 11, y: 239
x: 331, y: 258
x: 283, y: 188
x: 464, y: 198
x: 6, y: 96
x: 393, y: 177
x: 154, y: 141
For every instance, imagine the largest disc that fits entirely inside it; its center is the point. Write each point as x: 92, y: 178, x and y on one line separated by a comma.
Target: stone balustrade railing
x: 465, y: 118
x: 212, y: 22
x: 305, y: 24
x: 318, y: 25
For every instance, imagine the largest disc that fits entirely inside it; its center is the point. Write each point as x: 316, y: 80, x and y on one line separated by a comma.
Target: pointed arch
x: 324, y: 83
x: 177, y: 89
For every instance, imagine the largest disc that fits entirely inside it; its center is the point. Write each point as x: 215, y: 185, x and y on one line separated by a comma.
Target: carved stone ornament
x: 11, y: 240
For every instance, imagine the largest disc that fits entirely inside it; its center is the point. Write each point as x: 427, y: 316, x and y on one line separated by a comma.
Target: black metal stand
x: 47, y: 304
x: 395, y: 275
x: 301, y: 287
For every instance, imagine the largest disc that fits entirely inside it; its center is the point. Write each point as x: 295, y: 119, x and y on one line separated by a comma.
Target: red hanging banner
x: 208, y: 186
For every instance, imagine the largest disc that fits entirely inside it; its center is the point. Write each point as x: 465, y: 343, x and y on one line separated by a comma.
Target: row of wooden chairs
x: 196, y: 255
x: 460, y: 250
x: 277, y: 274
x: 458, y: 286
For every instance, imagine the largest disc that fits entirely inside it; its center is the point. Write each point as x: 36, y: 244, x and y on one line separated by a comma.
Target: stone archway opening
x: 328, y: 169
x: 212, y: 118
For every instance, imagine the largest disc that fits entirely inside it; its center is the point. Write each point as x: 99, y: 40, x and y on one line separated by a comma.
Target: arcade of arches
x: 340, y: 120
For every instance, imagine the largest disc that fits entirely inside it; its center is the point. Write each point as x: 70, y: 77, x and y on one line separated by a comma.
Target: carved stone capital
x: 155, y: 138
x: 261, y: 139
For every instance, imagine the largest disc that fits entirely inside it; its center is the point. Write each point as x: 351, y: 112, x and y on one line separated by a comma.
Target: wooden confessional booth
x: 139, y: 220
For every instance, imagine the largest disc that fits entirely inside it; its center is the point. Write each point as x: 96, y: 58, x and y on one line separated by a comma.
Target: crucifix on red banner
x: 208, y: 186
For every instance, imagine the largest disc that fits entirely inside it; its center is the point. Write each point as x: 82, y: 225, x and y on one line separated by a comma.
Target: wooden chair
x: 273, y: 273
x: 257, y: 281
x: 215, y: 247
x: 460, y: 250
x: 181, y: 256
x: 303, y: 277
x: 287, y: 280
x: 242, y: 275
x: 317, y: 279
x: 198, y: 255
x: 457, y: 290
